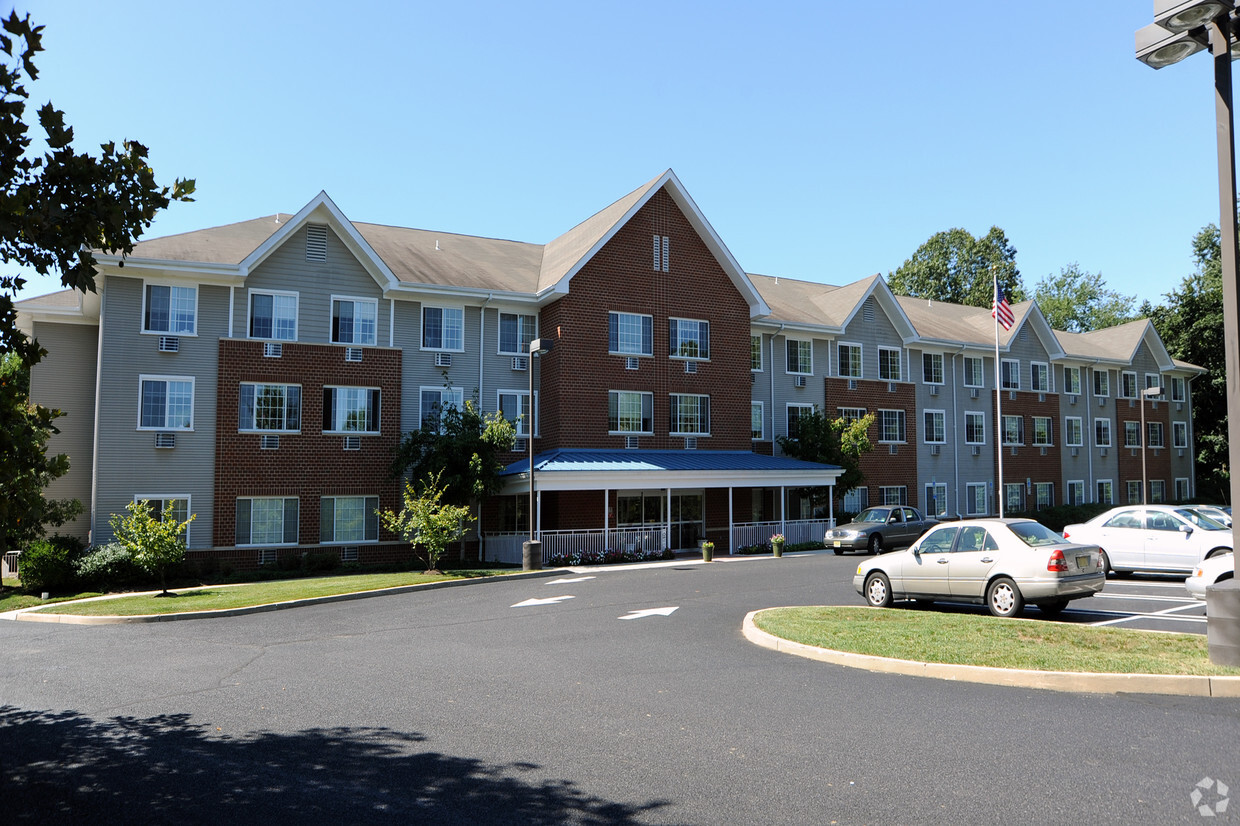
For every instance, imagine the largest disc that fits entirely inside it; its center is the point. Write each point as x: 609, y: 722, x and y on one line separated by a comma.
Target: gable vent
x: 867, y: 311
x: 353, y: 354
x: 316, y: 243
x: 169, y: 344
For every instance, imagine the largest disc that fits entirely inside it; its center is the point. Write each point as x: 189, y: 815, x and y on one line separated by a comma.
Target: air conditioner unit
x: 891, y: 387
x: 972, y: 392
x: 520, y: 446
x: 1132, y: 402
x: 753, y: 378
x: 267, y: 556
x: 1041, y: 397
x: 269, y: 443
x: 1179, y: 406
x: 1041, y: 451
x: 934, y: 390
x: 632, y: 363
x: 1076, y: 451
x: 1011, y: 395
x: 520, y: 363
x: 690, y: 366
x: 352, y: 442
x: 630, y: 443
x: 348, y: 553
x: 691, y: 443
x: 169, y: 344
x: 1071, y: 399
x: 977, y: 450
x: 1013, y: 450
x: 353, y: 354
x: 1102, y: 452
x: 165, y: 440
x: 893, y: 450
x: 852, y: 384
x: 273, y: 349
x: 934, y: 450
x: 443, y: 359
x: 799, y: 381
x: 1102, y: 401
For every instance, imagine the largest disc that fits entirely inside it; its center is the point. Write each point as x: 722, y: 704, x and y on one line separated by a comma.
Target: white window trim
x: 1175, y: 488
x: 839, y: 362
x: 422, y: 328
x: 1179, y: 389
x: 699, y: 321
x: 281, y: 544
x: 1136, y: 426
x: 942, y: 369
x: 1050, y: 431
x: 965, y: 369
x: 808, y: 341
x: 1067, y: 384
x: 1050, y: 380
x: 333, y: 541
x: 1106, y: 378
x: 331, y: 310
x: 879, y: 417
x: 1135, y: 386
x: 164, y: 497
x: 441, y: 390
x: 788, y: 409
x: 499, y: 332
x: 970, y: 501
x: 249, y: 314
x: 1067, y: 432
x: 193, y: 401
x: 270, y: 384
x: 499, y: 395
x: 978, y: 414
x: 625, y: 353
x: 165, y: 282
x: 649, y: 432
x: 1068, y: 490
x: 1178, y: 428
x: 942, y: 414
x: 932, y: 489
x: 1110, y: 486
x: 1110, y: 434
x: 378, y: 413
x: 1150, y: 427
x: 671, y: 432
x: 1158, y: 382
x: 761, y: 355
x: 1015, y: 372
x: 899, y: 351
x: 761, y: 437
x: 1003, y: 430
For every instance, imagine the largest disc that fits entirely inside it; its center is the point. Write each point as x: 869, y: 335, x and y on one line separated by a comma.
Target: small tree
x: 427, y: 521
x: 834, y: 442
x: 153, y: 543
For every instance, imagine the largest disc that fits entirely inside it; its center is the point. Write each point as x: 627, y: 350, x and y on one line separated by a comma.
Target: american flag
x: 1002, y: 311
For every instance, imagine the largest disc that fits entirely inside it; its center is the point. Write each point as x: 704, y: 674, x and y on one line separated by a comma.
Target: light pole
x: 1147, y: 393
x: 1182, y: 28
x: 531, y: 550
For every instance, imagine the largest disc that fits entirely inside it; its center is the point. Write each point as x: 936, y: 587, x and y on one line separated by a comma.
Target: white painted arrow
x: 547, y: 601
x: 567, y: 581
x: 649, y: 612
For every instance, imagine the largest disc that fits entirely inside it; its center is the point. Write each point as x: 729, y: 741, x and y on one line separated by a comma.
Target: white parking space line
x: 1165, y: 614
x: 1143, y: 598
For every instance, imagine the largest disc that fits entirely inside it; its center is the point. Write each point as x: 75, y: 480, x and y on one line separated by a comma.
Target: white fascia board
x: 635, y: 479
x: 218, y: 274
x: 404, y: 291
x: 887, y: 301
x: 1154, y: 342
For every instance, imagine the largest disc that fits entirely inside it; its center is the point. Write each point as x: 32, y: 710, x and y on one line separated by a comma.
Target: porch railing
x: 506, y: 547
x: 8, y: 564
x: 795, y: 531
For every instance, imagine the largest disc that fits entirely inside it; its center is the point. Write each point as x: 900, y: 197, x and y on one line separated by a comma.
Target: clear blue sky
x: 822, y: 142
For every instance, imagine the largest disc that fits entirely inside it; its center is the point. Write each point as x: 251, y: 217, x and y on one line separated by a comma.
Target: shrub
x: 107, y: 566
x: 45, y: 566
x: 322, y: 561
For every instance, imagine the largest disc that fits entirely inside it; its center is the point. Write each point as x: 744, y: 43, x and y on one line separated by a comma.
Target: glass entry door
x: 648, y: 509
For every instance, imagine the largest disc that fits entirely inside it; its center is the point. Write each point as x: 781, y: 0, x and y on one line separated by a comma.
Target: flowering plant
x: 708, y: 545
x: 779, y: 537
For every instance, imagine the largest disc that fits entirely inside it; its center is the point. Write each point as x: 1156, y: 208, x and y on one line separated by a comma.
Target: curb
x: 1184, y: 685
x: 34, y: 615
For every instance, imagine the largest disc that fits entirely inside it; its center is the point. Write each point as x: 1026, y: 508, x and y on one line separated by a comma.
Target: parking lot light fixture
x: 531, y: 557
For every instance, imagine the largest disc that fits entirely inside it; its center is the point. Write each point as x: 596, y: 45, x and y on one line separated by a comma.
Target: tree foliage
x: 1077, y: 301
x: 1190, y: 322
x: 154, y: 543
x: 462, y: 453
x: 426, y: 521
x: 955, y: 267
x: 833, y: 442
x: 56, y: 205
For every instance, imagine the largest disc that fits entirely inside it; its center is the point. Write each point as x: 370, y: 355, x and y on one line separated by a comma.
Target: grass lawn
x: 970, y: 639
x: 221, y: 597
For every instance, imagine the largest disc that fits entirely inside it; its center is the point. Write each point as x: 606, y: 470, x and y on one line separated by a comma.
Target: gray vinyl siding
x: 786, y: 391
x: 127, y: 353
x: 761, y: 386
x: 871, y: 335
x: 418, y: 368
x: 65, y: 380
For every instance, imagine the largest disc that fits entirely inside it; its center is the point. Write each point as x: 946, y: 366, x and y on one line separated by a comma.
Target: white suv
x: 1152, y: 538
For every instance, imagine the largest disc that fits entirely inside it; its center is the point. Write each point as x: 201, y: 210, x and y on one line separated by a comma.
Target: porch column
x: 783, y: 501
x: 606, y: 526
x: 731, y: 525
x: 538, y: 513
x: 667, y: 520
x: 831, y: 505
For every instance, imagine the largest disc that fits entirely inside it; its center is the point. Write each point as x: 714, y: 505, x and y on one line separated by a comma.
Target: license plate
x: 836, y: 543
x: 1082, y: 562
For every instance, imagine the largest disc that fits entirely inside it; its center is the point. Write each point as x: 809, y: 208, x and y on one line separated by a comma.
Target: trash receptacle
x: 531, y: 555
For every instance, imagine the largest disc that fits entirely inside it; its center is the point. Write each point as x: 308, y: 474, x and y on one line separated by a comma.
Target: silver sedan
x: 1001, y: 563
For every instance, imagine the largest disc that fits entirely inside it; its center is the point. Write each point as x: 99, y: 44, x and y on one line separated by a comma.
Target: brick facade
x: 1028, y: 463
x: 880, y: 466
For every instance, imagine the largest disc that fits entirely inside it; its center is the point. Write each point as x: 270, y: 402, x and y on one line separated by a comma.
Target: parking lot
x: 1147, y: 602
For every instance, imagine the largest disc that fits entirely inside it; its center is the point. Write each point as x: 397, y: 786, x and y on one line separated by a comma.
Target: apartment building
x: 260, y: 375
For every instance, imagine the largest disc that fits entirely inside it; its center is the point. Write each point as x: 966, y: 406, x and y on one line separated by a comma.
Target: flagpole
x: 994, y: 311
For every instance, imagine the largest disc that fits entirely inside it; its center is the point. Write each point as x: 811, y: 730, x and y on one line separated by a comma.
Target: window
x: 1102, y: 432
x: 856, y: 500
x: 974, y: 428
x: 1072, y: 381
x: 1106, y: 495
x: 891, y: 427
x: 1044, y: 495
x: 270, y: 407
x: 166, y: 403
x: 1133, y: 491
x: 630, y: 412
x: 273, y: 315
x: 514, y: 405
x: 354, y: 320
x: 688, y: 338
x: 1102, y: 383
x: 932, y: 368
x: 435, y: 404
x: 1181, y: 489
x: 888, y: 364
x: 1178, y: 393
x: 936, y: 499
x: 850, y: 360
x: 975, y: 499
x: 757, y: 422
x: 1154, y: 437
x: 1042, y: 434
x: 1127, y: 385
x: 755, y: 353
x: 1073, y: 432
x: 800, y: 357
x: 443, y: 328
x: 629, y: 334
x: 1158, y: 491
x: 1076, y: 492
x: 893, y: 494
x: 516, y: 332
x: 1039, y: 377
x: 797, y: 412
x: 850, y: 414
x: 1013, y: 497
x: 690, y: 415
x: 349, y: 519
x: 1132, y: 434
x: 1179, y: 433
x: 1009, y: 374
x: 1013, y: 430
x: 662, y: 253
x: 168, y: 509
x: 351, y: 409
x: 974, y: 376
x: 1155, y: 380
x: 267, y: 521
x: 170, y: 309
x: 935, y: 430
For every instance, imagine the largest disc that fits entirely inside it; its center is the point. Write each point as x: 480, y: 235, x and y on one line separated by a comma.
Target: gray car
x: 1001, y: 563
x: 879, y: 529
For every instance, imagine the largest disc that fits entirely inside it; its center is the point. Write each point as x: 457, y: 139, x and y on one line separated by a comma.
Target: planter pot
x: 777, y: 548
x: 708, y: 553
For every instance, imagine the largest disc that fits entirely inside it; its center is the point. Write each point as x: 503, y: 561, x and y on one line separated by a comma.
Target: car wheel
x: 878, y: 590
x: 876, y: 544
x: 1106, y: 563
x: 1053, y: 609
x: 1003, y: 598
x: 838, y: 551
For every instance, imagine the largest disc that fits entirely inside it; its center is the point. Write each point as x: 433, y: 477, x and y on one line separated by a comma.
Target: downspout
x: 94, y: 459
x: 1089, y: 453
x: 482, y: 337
x: 1192, y: 449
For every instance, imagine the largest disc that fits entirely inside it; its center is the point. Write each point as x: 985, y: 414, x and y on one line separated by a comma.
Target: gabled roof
x: 809, y: 304
x: 229, y: 244
x: 1120, y: 344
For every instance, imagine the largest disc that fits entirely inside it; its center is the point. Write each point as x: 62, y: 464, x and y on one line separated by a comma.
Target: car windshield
x: 873, y: 515
x: 1034, y: 534
x: 1200, y: 519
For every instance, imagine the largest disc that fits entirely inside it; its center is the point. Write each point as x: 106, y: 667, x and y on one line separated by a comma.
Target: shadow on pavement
x: 63, y: 767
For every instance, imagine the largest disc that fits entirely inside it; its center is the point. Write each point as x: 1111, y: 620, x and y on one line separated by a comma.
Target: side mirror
x: 1186, y: 528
